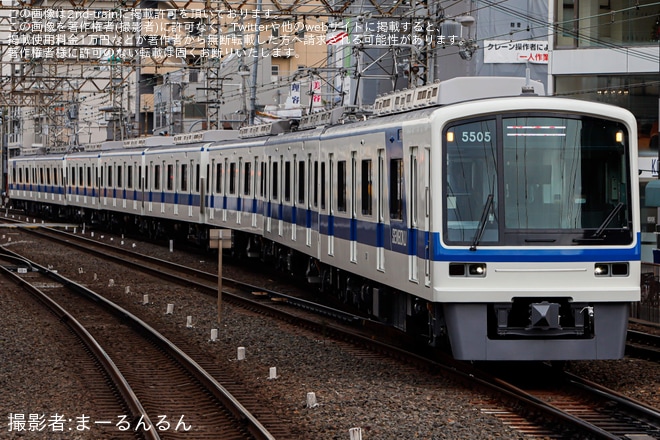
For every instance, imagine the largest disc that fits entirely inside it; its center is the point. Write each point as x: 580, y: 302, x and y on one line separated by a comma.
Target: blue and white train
x: 504, y: 223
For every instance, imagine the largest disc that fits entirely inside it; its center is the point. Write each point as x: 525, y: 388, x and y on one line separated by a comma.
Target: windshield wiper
x: 482, y: 223
x: 599, y: 232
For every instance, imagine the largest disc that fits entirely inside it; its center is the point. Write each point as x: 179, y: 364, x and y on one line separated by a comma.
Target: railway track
x: 164, y: 392
x: 559, y: 420
x: 596, y: 410
x: 643, y: 345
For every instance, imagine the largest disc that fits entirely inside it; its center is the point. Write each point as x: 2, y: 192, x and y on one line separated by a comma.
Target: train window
x: 109, y: 177
x: 301, y: 181
x: 184, y: 177
x: 89, y: 177
x: 247, y: 173
x: 316, y: 183
x: 262, y: 190
x: 157, y: 177
x: 47, y: 176
x: 73, y: 176
x: 471, y: 182
x: 170, y: 177
x: 366, y: 195
x: 120, y: 176
x: 341, y: 186
x: 197, y: 178
x: 275, y: 179
x: 81, y: 176
x: 129, y: 176
x: 218, y: 178
x: 146, y: 178
x: 232, y: 178
x: 323, y: 185
x: 396, y: 189
x: 287, y: 181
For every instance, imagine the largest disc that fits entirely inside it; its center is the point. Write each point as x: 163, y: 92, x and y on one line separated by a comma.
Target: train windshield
x: 537, y: 179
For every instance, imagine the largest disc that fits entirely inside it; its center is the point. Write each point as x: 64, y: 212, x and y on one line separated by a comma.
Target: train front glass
x: 536, y: 179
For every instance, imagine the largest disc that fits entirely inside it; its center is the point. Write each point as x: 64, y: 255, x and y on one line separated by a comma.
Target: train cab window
x: 247, y: 173
x: 184, y: 177
x: 396, y: 189
x: 366, y: 195
x: 287, y: 181
x: 341, y: 186
x: 170, y: 177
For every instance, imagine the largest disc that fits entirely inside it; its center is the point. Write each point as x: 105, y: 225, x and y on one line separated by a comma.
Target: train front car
x: 537, y: 251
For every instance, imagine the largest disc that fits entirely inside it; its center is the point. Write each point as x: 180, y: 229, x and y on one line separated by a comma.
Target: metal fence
x: 648, y: 308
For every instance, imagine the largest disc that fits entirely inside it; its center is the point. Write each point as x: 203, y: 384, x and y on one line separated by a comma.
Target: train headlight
x: 467, y: 270
x: 612, y: 269
x: 602, y: 270
x: 477, y: 270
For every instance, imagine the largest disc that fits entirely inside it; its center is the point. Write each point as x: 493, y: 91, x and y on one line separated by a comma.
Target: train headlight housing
x: 467, y: 270
x: 611, y: 269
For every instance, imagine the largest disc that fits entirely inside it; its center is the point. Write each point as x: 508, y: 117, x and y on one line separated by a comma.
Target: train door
x: 241, y: 188
x: 353, y: 213
x: 426, y: 181
x: 255, y: 179
x: 212, y: 179
x: 122, y: 182
x: 177, y: 187
x: 380, y: 212
x: 226, y: 175
x: 413, y: 218
x: 311, y: 185
x: 294, y: 199
x: 331, y: 211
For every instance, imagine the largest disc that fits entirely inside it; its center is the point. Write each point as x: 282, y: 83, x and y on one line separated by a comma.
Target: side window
x: 341, y: 186
x: 301, y: 181
x: 184, y: 177
x: 396, y: 189
x: 323, y: 185
x: 170, y: 177
x: 275, y: 180
x: 157, y: 177
x: 218, y: 178
x: 366, y: 196
x: 120, y: 176
x: 247, y: 173
x: 287, y: 181
x: 232, y: 178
